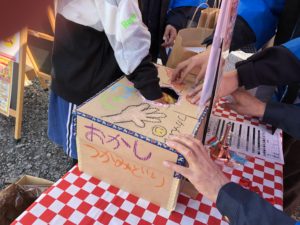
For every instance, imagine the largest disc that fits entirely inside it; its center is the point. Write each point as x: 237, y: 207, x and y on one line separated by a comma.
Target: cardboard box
x: 121, y: 138
x: 30, y: 181
x: 19, y: 195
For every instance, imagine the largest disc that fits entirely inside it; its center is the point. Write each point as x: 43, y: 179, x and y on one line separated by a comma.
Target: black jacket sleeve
x: 273, y: 66
x: 243, y: 207
x: 242, y: 36
x: 283, y: 116
x: 180, y: 16
x: 176, y: 17
x: 145, y: 79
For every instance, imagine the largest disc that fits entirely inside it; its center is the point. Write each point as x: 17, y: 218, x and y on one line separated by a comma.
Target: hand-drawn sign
x: 137, y: 171
x: 116, y: 141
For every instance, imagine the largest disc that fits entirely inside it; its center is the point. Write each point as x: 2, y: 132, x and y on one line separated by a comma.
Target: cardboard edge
x: 79, y: 155
x: 186, y: 186
x: 174, y: 193
x: 202, y: 117
x: 27, y: 179
x: 189, y: 189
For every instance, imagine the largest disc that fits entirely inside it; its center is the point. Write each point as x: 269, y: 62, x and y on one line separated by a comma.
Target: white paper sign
x: 249, y: 139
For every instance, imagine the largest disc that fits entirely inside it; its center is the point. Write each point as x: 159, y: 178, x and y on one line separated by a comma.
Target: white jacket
x: 121, y: 20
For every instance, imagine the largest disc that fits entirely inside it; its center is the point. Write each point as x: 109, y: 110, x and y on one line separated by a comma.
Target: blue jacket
x: 181, y: 3
x: 279, y: 65
x: 294, y: 47
x: 262, y: 18
x: 244, y: 207
x: 262, y: 22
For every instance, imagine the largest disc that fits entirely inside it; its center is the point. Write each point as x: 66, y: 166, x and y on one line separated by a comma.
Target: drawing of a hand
x: 138, y: 114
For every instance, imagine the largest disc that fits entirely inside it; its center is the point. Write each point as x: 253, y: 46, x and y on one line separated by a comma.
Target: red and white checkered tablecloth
x: 232, y: 115
x: 78, y: 198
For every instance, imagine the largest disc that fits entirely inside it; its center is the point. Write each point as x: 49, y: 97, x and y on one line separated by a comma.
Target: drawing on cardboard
x: 137, y: 114
x: 128, y: 90
x: 136, y: 153
x: 115, y: 139
x: 159, y: 131
x: 94, y: 131
x: 114, y: 142
x: 179, y: 123
x: 142, y: 172
x: 112, y: 101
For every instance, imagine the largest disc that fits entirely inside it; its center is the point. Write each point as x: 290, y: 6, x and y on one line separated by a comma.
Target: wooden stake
x: 21, y: 79
x: 51, y: 17
x: 37, y: 70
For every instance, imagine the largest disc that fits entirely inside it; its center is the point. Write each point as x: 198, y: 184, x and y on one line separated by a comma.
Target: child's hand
x: 184, y: 68
x: 166, y: 99
x: 169, y: 36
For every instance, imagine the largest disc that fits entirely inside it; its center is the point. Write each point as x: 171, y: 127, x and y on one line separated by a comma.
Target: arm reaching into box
x: 246, y: 31
x: 130, y: 40
x: 273, y: 66
x: 240, y: 206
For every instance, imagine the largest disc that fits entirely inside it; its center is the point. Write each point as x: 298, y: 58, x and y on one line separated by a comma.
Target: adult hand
x: 195, y: 94
x: 202, y: 172
x: 184, y: 68
x: 229, y: 83
x: 169, y: 36
x: 246, y: 104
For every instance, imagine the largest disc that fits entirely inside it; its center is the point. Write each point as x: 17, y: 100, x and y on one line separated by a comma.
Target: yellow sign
x: 9, y: 42
x: 6, y: 72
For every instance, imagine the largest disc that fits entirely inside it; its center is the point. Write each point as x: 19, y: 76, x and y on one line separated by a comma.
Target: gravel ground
x: 296, y: 214
x: 34, y: 155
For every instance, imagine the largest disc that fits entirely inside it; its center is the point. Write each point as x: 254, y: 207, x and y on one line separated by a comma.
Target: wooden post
x: 23, y: 51
x: 36, y: 69
x: 43, y: 77
x: 21, y: 75
x: 51, y: 17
